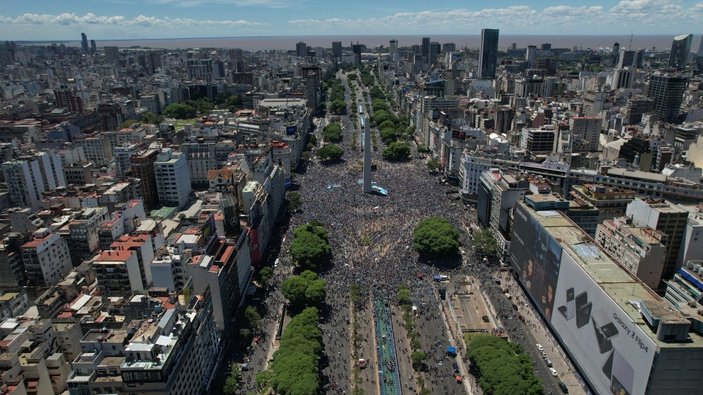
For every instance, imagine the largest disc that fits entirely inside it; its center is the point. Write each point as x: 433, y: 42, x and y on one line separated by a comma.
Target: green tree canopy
x: 304, y: 290
x: 310, y: 248
x: 502, y: 367
x: 180, y: 111
x: 150, y: 117
x: 436, y: 237
x: 294, y: 201
x: 233, y: 377
x: 338, y: 107
x: 330, y: 152
x: 252, y: 317
x: 388, y: 134
x: 397, y: 151
x: 433, y: 165
x: 484, y: 242
x: 332, y: 133
x: 296, y: 365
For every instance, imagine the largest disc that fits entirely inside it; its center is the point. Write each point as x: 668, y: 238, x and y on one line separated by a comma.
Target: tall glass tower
x: 488, y: 57
x: 680, y: 49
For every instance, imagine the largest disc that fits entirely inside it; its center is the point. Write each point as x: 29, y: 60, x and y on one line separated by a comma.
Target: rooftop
x: 623, y: 288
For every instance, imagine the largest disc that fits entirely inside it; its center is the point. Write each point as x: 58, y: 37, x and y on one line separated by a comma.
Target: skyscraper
x: 84, y: 43
x: 700, y: 47
x: 488, y: 57
x: 531, y: 55
x: 393, y: 48
x: 667, y: 93
x: 680, y: 48
x: 425, y: 48
x: 301, y: 49
x: 336, y: 49
x: 93, y: 47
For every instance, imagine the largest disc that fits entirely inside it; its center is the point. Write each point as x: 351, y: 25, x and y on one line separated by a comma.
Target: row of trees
x: 338, y: 104
x: 502, y: 367
x: 310, y: 248
x: 295, y: 369
x: 304, y: 290
x: 391, y: 128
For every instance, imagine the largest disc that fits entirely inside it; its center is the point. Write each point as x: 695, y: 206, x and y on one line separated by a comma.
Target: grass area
x: 181, y: 123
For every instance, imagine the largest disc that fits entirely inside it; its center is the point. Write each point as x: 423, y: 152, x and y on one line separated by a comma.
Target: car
x: 549, y: 362
x: 553, y: 372
x: 563, y: 387
x: 539, y: 347
x: 455, y: 366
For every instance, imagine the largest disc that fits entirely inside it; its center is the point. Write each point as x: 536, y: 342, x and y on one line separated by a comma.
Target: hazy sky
x: 114, y: 19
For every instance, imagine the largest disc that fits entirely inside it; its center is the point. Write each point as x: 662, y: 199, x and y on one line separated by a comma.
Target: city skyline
x: 129, y: 19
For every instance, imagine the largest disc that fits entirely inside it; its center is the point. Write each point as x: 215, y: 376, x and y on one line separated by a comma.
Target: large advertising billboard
x: 613, y: 352
x: 536, y: 257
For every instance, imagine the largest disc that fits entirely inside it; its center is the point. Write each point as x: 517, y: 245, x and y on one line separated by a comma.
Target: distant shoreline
x: 658, y: 41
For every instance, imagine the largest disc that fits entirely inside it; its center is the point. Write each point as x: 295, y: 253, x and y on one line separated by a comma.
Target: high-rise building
x: 531, y: 55
x: 615, y: 53
x: 172, y: 178
x: 336, y: 49
x: 667, y: 92
x: 626, y: 58
x: 488, y: 57
x: 680, y: 49
x: 537, y: 141
x: 112, y: 54
x: 448, y: 47
x: 393, y: 44
x: 639, y: 250
x: 622, y: 337
x: 29, y: 176
x: 425, y: 49
x: 46, y: 259
x: 700, y: 47
x: 142, y: 167
x: 93, y: 47
x: 68, y: 99
x: 667, y: 218
x: 84, y: 43
x: 301, y: 49
x: 435, y: 50
x: 636, y: 107
x: 585, y: 133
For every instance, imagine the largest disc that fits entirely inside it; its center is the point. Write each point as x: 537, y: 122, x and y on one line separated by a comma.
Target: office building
x: 700, y: 47
x: 636, y: 107
x: 172, y: 178
x: 488, y: 56
x: 29, y: 176
x: 201, y: 158
x: 690, y: 249
x: 639, y: 250
x: 610, y: 202
x: 680, y: 49
x: 112, y: 54
x: 626, y: 59
x: 84, y: 43
x: 46, y: 259
x: 667, y: 93
x: 497, y: 194
x: 301, y: 49
x: 81, y: 233
x: 585, y: 133
x: 687, y: 285
x: 142, y: 167
x: 425, y: 48
x: 68, y: 99
x: 622, y: 337
x: 538, y: 141
x: 531, y: 55
x: 665, y: 217
x: 393, y: 52
x: 337, y: 49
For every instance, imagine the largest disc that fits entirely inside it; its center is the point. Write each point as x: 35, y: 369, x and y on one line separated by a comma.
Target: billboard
x: 536, y: 257
x: 612, y: 352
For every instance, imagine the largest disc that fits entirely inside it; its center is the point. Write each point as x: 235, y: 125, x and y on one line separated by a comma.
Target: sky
x: 135, y: 19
